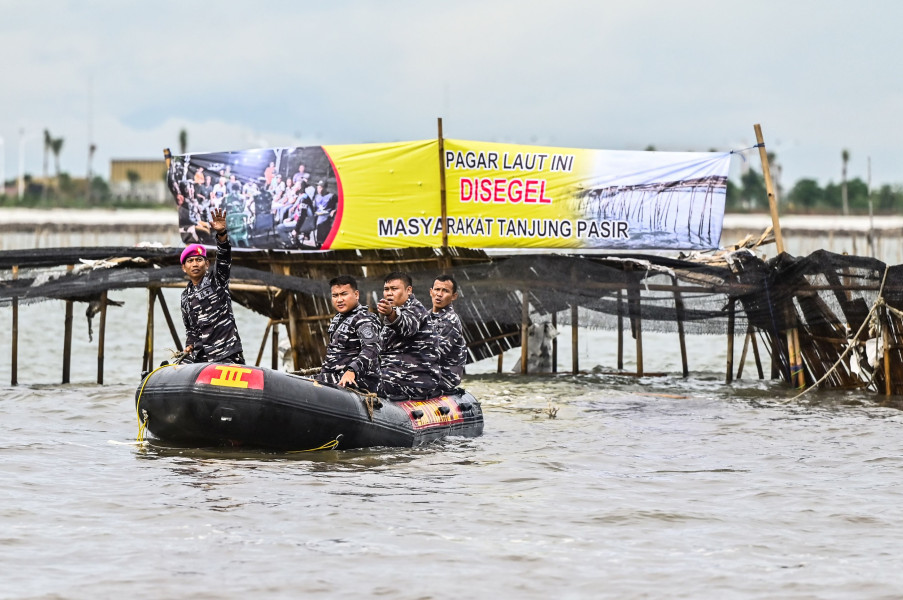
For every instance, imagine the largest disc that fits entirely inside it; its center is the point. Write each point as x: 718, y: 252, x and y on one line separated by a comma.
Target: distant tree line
x: 807, y: 196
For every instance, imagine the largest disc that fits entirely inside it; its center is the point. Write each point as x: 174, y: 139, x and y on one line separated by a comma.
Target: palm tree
x: 845, y: 155
x: 55, y: 146
x: 48, y: 142
x: 92, y: 148
x: 183, y: 141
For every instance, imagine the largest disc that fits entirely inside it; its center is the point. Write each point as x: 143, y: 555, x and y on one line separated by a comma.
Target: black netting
x: 825, y: 297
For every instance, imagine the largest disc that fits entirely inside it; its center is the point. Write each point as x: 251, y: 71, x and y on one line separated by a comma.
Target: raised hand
x: 218, y: 220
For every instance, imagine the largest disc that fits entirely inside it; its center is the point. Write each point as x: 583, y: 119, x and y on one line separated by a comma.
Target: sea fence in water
x: 825, y: 317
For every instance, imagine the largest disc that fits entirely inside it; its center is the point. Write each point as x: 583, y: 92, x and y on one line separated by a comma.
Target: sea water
x: 644, y: 487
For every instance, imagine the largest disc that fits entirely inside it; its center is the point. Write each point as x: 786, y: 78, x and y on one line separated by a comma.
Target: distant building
x: 139, y: 179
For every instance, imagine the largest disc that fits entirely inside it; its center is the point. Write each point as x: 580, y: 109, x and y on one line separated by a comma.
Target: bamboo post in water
x: 263, y: 342
x: 524, y: 331
x: 169, y: 321
x: 14, y: 359
x: 755, y: 347
x: 555, y: 343
x: 101, y: 335
x: 575, y: 359
x: 885, y: 334
x: 620, y: 331
x: 679, y: 309
x: 67, y: 337
x: 729, y: 377
x: 797, y: 377
x: 275, y: 347
x: 148, y: 360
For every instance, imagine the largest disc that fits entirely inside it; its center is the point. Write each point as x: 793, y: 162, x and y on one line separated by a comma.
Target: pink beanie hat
x: 192, y: 250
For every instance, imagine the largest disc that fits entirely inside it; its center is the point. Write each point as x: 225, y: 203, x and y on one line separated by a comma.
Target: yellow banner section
x: 506, y: 195
x: 389, y: 195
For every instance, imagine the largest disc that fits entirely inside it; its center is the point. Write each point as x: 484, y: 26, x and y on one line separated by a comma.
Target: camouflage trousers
x: 397, y: 391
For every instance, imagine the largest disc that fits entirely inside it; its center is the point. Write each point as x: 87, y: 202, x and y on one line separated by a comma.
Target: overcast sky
x: 820, y: 76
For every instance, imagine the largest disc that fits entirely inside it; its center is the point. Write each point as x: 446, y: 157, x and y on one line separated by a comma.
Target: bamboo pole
x: 148, y: 360
x: 101, y: 336
x: 769, y: 188
x: 797, y: 376
x: 442, y: 192
x: 743, y: 355
x: 274, y: 359
x: 67, y: 337
x: 263, y: 343
x: 555, y: 343
x: 501, y: 361
x: 885, y: 334
x: 169, y: 321
x: 729, y: 376
x: 14, y: 359
x: 575, y: 326
x: 755, y: 347
x: 524, y: 332
x: 679, y: 308
x: 620, y: 331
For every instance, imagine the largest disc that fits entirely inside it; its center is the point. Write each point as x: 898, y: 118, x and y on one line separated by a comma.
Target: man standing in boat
x: 408, y: 349
x: 352, y: 356
x: 449, y: 333
x: 210, y: 331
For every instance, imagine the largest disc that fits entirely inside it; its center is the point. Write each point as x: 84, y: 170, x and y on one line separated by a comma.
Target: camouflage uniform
x: 409, y: 354
x: 353, y: 344
x: 452, y: 348
x: 207, y: 313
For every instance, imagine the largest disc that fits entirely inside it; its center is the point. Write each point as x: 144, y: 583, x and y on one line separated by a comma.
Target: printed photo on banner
x: 511, y: 196
x: 274, y: 198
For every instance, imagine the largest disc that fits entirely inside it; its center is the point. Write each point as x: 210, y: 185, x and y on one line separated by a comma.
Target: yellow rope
x: 327, y: 446
x: 142, y: 425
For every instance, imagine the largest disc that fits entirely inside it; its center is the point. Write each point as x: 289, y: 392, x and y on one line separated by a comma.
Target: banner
x: 366, y: 196
x: 308, y: 198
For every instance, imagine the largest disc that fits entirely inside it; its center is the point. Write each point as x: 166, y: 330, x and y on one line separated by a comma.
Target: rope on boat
x: 370, y: 399
x: 142, y: 424
x: 874, y: 326
x: 306, y: 372
x: 330, y: 445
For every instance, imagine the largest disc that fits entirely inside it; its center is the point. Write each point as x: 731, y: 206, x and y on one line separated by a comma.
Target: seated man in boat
x: 408, y: 349
x: 210, y: 331
x: 352, y: 356
x: 449, y: 333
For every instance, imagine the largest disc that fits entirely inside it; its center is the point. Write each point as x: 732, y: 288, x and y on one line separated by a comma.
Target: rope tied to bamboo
x: 874, y: 323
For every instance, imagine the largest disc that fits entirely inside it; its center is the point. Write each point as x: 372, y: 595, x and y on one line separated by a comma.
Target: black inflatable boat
x: 211, y: 404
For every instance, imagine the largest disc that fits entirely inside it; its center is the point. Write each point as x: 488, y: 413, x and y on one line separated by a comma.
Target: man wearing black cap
x: 210, y: 331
